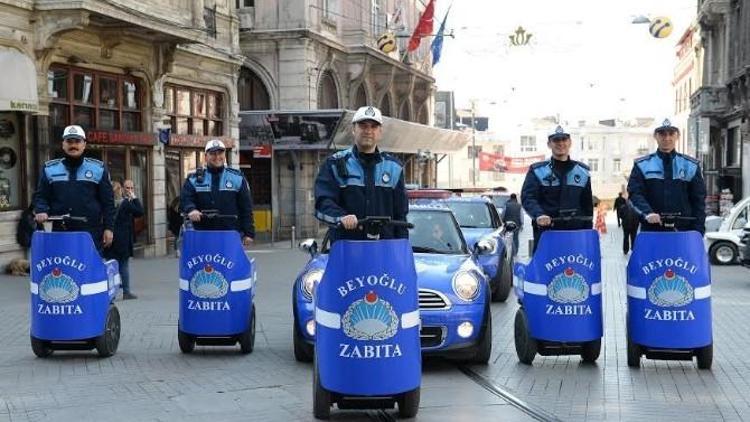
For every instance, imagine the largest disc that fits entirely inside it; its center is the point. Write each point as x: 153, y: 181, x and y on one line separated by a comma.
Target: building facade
x: 304, y: 61
x: 688, y: 74
x: 123, y: 71
x: 721, y: 107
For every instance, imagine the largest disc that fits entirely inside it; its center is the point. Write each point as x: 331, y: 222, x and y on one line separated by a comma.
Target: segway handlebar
x: 67, y: 217
x: 213, y: 214
x: 670, y: 219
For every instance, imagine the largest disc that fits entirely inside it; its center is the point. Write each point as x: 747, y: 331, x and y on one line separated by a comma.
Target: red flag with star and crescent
x: 424, y: 27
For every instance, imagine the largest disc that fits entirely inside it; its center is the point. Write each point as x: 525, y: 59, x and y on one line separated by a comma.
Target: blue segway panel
x: 561, y: 288
x: 69, y: 287
x: 216, y: 284
x: 367, y: 319
x: 669, y: 291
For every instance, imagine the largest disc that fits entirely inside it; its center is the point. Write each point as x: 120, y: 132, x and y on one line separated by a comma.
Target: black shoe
x: 127, y: 296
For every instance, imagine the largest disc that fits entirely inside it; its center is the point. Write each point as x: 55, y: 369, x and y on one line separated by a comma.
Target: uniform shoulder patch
x: 93, y: 160
x: 233, y: 170
x: 389, y: 157
x: 52, y: 162
x: 583, y: 165
x: 344, y: 153
x: 539, y: 164
x: 689, y: 158
x: 645, y: 157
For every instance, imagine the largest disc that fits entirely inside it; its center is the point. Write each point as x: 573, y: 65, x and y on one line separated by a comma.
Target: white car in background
x: 723, y: 245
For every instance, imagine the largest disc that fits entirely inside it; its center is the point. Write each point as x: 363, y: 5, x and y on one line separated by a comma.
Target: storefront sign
x: 197, y: 141
x: 107, y: 137
x: 262, y: 151
x: 23, y: 106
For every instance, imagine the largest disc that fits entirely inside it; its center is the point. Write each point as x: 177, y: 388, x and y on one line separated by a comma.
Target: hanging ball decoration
x: 661, y: 27
x: 387, y: 42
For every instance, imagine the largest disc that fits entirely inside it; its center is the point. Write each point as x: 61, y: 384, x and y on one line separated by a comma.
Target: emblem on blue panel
x: 386, y: 177
x: 568, y: 287
x: 58, y: 287
x: 370, y: 318
x: 208, y: 283
x: 670, y: 290
x: 229, y: 184
x: 89, y: 174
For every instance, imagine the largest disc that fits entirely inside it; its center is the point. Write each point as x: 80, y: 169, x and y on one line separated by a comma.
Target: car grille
x: 430, y: 299
x: 431, y: 336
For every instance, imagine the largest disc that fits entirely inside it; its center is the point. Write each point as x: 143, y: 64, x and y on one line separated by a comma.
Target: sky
x: 585, y: 58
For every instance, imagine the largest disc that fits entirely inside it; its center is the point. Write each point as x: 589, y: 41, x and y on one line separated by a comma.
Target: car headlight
x: 466, y: 285
x: 309, y: 279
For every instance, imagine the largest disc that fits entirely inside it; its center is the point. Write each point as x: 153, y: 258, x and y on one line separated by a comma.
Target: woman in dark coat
x: 128, y: 207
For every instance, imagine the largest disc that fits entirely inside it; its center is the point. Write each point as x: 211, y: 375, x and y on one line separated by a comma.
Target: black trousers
x: 628, y: 239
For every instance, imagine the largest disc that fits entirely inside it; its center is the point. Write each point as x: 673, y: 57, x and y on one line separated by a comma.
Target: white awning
x: 18, y: 83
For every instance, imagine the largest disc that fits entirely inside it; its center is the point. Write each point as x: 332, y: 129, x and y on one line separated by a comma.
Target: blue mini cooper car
x: 480, y: 223
x: 454, y: 294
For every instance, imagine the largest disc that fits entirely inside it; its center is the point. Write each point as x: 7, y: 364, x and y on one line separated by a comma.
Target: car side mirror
x: 511, y: 226
x: 482, y: 247
x: 309, y: 245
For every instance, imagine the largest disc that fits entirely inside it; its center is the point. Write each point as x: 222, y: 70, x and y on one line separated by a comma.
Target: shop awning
x: 332, y: 129
x: 18, y: 84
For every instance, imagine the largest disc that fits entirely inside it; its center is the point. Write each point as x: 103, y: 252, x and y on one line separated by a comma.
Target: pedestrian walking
x: 514, y: 213
x: 127, y: 208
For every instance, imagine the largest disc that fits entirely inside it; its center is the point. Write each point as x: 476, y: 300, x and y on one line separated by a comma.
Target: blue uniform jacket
x: 82, y: 191
x: 668, y: 183
x: 225, y: 190
x: 348, y: 185
x: 545, y: 192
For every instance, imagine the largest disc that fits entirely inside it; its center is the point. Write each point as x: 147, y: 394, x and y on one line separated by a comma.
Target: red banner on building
x: 503, y: 164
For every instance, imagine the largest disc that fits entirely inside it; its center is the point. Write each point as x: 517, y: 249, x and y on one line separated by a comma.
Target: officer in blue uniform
x: 361, y: 182
x: 557, y: 184
x: 79, y: 187
x: 220, y: 188
x: 668, y: 182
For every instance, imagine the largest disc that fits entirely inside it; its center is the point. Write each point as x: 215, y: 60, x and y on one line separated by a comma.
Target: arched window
x: 385, y: 105
x: 403, y: 112
x: 328, y: 95
x: 251, y: 91
x: 360, y: 98
x: 422, y: 115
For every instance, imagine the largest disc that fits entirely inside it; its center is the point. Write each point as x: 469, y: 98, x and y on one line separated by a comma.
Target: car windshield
x: 434, y: 232
x: 471, y: 214
x: 499, y: 200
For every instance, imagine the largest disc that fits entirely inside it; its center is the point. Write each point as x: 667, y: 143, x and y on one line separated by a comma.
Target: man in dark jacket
x: 77, y: 186
x: 128, y: 208
x: 557, y: 184
x: 361, y: 182
x: 514, y: 213
x: 629, y: 227
x: 619, y: 202
x: 221, y: 188
x: 668, y: 182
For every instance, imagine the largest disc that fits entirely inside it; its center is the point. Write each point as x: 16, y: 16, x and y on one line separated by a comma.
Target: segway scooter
x: 669, y: 296
x: 559, y: 291
x: 367, y: 349
x: 217, y: 287
x: 72, y: 293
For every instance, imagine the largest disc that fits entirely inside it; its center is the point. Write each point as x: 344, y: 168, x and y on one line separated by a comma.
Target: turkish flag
x: 424, y: 27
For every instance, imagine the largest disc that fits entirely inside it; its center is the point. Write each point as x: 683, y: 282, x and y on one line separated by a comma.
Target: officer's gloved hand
x: 543, y: 221
x: 653, y: 218
x: 195, y: 216
x: 349, y: 221
x: 41, y: 217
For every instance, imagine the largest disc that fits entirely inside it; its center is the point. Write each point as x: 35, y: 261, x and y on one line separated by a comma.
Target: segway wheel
x: 705, y: 356
x: 40, y: 348
x: 504, y: 284
x: 186, y: 341
x: 303, y: 352
x: 106, y: 344
x: 526, y: 346
x: 408, y: 404
x: 247, y: 339
x: 591, y: 350
x: 321, y: 397
x: 484, y: 346
x: 634, y: 354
